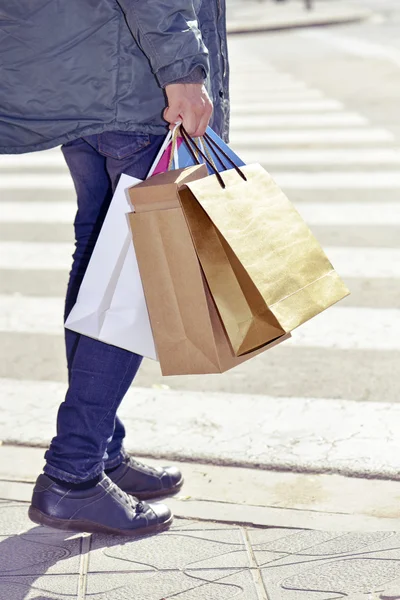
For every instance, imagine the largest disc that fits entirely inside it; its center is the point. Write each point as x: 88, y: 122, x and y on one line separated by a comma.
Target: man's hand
x: 191, y: 104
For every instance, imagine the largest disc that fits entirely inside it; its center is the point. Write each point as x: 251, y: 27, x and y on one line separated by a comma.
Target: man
x: 104, y: 78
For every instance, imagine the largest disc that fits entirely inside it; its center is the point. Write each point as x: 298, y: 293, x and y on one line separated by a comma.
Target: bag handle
x: 189, y: 142
x: 217, y: 149
x: 207, y: 158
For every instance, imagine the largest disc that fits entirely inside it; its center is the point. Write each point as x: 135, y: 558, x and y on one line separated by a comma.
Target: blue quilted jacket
x: 70, y: 68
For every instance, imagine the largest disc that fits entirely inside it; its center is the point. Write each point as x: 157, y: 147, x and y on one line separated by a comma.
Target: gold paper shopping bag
x: 266, y: 271
x: 188, y: 332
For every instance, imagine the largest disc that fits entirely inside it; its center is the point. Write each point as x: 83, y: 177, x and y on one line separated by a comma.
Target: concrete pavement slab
x: 47, y: 587
x: 302, y: 434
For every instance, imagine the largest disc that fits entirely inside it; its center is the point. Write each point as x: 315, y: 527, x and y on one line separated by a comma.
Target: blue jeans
x: 89, y: 434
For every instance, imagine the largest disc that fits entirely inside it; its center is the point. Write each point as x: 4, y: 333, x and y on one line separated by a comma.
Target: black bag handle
x: 217, y: 149
x: 189, y: 142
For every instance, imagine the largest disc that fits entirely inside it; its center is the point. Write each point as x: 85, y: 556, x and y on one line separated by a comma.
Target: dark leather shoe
x: 103, y: 508
x: 146, y: 482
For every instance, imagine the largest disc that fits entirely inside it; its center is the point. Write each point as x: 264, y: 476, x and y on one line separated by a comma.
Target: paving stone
x: 172, y: 583
x: 180, y: 523
x: 318, y: 564
x: 37, y: 554
x: 14, y: 519
x: 344, y: 576
x: 170, y: 550
x: 48, y: 587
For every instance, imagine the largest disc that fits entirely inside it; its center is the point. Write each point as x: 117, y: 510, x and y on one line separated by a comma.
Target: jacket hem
x: 84, y: 131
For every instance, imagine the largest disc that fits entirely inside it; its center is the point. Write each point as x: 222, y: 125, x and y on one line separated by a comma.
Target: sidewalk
x: 247, y: 16
x: 242, y: 533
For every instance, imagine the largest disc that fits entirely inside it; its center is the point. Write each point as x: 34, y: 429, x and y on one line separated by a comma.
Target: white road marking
x: 35, y: 160
x: 351, y: 328
x: 324, y: 156
x: 255, y: 96
x: 353, y: 214
x: 37, y: 212
x: 254, y: 121
x: 246, y: 139
x: 36, y: 181
x: 338, y: 327
x: 368, y: 263
x: 35, y: 256
x: 355, y: 46
x: 340, y: 180
x: 315, y: 213
x: 274, y: 84
x: 285, y: 107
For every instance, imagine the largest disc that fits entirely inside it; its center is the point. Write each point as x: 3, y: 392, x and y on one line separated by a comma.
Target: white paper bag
x: 111, y: 306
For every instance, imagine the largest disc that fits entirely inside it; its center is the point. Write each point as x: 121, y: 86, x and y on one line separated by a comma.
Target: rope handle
x: 209, y: 143
x: 217, y: 149
x: 189, y: 142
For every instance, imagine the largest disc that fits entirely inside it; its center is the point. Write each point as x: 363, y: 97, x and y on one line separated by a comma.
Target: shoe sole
x: 157, y: 493
x: 83, y: 526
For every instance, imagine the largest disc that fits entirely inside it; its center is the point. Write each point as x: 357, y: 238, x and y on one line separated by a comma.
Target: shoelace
x: 147, y: 468
x: 131, y: 501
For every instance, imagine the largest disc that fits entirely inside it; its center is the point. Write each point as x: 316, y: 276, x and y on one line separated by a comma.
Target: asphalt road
x: 319, y: 109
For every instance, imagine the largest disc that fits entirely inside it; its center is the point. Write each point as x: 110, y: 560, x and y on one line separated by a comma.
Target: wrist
x: 196, y: 76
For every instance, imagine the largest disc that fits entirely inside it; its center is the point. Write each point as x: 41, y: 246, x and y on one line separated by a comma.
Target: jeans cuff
x: 68, y: 477
x: 114, y: 462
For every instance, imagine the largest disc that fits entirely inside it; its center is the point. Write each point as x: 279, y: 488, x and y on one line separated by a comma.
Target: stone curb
x: 237, y: 430
x: 247, y: 496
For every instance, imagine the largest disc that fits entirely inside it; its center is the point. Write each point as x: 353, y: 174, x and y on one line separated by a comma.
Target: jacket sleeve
x: 168, y: 34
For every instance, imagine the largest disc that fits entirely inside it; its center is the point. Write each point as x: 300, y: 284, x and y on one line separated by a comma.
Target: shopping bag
x: 189, y: 335
x: 183, y: 157
x: 266, y: 271
x: 111, y: 306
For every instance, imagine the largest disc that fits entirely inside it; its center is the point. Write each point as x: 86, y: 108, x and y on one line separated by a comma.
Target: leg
x: 99, y: 374
x: 117, y: 148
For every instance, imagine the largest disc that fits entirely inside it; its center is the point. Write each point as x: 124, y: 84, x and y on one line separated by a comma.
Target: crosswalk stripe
x: 351, y: 328
x: 311, y: 136
x: 324, y: 156
x: 356, y: 46
x: 274, y: 84
x: 289, y: 157
x: 256, y: 96
x: 40, y: 160
x: 335, y: 180
x: 367, y: 263
x: 292, y: 180
x: 36, y: 181
x: 315, y: 213
x: 350, y: 213
x: 37, y: 212
x: 255, y: 121
x: 344, y: 327
x: 35, y: 255
x: 359, y: 262
x: 284, y: 107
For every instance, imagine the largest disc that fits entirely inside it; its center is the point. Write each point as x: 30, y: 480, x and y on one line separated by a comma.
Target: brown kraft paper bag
x: 266, y: 271
x: 188, y: 332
